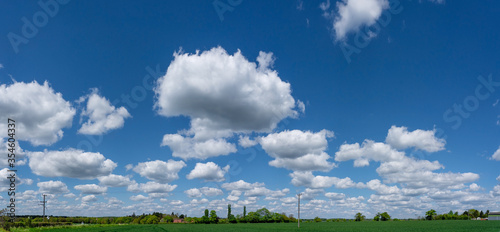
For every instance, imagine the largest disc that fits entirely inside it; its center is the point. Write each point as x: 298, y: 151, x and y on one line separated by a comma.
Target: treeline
x: 260, y: 216
x: 37, y: 221
x: 210, y: 217
x: 466, y: 215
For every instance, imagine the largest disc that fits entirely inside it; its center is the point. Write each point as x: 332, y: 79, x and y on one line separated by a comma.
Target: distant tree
x: 317, y: 219
x: 429, y: 214
x: 213, y: 217
x: 487, y: 213
x: 481, y: 214
x: 158, y: 214
x: 473, y: 213
x: 244, y: 211
x: 377, y: 217
x: 152, y: 219
x: 359, y: 217
x: 385, y: 216
x: 285, y: 218
x: 264, y: 214
x: 205, y: 219
x: 450, y: 213
x: 168, y: 218
x: 230, y: 217
x: 253, y: 217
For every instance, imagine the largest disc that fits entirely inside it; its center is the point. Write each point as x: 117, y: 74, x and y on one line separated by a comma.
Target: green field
x: 368, y: 226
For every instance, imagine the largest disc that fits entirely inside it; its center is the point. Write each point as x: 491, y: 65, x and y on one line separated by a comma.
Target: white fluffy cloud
x: 113, y: 180
x: 207, y: 191
x: 193, y: 193
x: 152, y: 187
x: 222, y: 94
x: 419, y: 174
x: 309, y: 162
x: 496, y: 155
x: 52, y: 187
x: 91, y: 189
x: 102, y: 116
x: 382, y: 189
x: 400, y: 138
x: 139, y: 198
x: 307, y: 179
x: 353, y: 14
x: 335, y: 196
x: 295, y: 143
x: 188, y: 148
x: 70, y: 163
x: 298, y: 150
x: 241, y: 185
x: 245, y: 141
x: 252, y: 190
x: 211, y: 192
x: 160, y: 171
x: 208, y: 171
x: 270, y: 194
x: 40, y: 113
x: 474, y: 187
x: 89, y: 198
x: 199, y: 202
x: 369, y: 150
x: 415, y: 177
x: 496, y: 190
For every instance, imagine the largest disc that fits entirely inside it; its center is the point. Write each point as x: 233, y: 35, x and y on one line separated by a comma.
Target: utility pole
x: 43, y: 204
x: 298, y: 221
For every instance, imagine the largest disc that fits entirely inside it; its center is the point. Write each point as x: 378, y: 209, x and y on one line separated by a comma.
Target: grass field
x: 368, y: 226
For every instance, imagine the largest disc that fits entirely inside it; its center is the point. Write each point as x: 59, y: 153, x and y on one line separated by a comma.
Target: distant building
x: 178, y: 220
x: 494, y: 216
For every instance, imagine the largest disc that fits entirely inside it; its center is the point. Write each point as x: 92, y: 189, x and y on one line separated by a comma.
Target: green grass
x: 368, y: 226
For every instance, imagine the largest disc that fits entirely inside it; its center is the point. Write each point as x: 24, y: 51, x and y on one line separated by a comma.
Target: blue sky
x: 362, y: 105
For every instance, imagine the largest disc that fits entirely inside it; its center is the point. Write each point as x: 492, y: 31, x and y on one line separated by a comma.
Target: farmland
x: 367, y: 226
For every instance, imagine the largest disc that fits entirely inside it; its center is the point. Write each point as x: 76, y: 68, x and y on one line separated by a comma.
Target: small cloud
x: 300, y: 5
x: 325, y: 5
x: 496, y: 155
x: 301, y: 106
x: 438, y: 1
x: 1, y: 66
x: 496, y: 103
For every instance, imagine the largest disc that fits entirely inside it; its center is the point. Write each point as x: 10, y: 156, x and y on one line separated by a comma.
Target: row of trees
x: 260, y: 216
x: 470, y: 214
x: 378, y: 217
